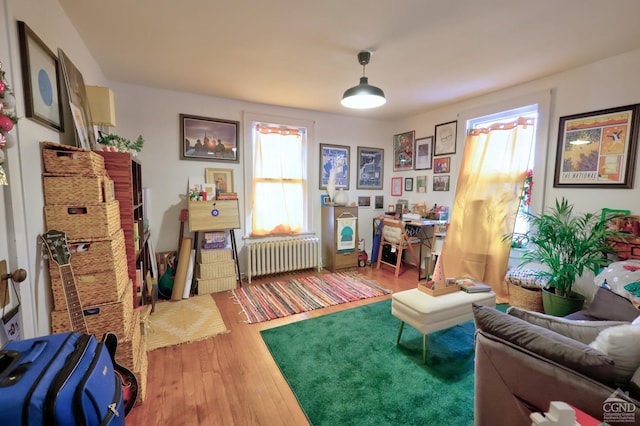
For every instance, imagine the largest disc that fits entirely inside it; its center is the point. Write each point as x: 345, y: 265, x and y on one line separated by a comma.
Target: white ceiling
x: 303, y: 53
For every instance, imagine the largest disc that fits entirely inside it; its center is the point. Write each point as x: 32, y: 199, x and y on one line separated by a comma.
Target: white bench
x: 427, y: 314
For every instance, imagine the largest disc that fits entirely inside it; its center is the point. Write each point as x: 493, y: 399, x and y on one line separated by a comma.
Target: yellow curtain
x: 278, y: 181
x: 490, y: 181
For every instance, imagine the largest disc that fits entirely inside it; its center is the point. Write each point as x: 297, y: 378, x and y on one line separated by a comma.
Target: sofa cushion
x: 608, y: 306
x: 546, y: 343
x: 583, y: 331
x: 622, y: 343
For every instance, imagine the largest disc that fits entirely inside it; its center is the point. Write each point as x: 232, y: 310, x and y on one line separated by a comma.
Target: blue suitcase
x: 61, y: 379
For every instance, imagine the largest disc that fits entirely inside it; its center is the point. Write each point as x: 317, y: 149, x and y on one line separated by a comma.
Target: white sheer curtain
x: 279, y: 181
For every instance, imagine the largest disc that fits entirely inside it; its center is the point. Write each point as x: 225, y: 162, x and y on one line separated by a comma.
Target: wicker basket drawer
x: 216, y: 285
x: 128, y: 353
x: 84, y: 222
x: 94, y: 288
x: 224, y: 268
x: 214, y: 255
x: 78, y: 189
x: 87, y: 257
x: 113, y: 317
x: 68, y: 160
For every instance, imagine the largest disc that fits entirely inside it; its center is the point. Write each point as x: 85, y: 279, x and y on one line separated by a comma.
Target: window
x: 277, y: 182
x: 503, y: 119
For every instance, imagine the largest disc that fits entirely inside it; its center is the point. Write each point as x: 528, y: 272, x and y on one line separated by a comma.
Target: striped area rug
x: 264, y: 302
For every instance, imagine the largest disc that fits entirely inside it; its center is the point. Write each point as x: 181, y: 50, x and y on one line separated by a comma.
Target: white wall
x: 604, y: 84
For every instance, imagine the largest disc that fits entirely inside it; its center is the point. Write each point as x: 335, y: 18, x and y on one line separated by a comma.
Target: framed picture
x: 78, y: 103
x: 221, y: 178
x: 364, y: 201
x: 325, y: 200
x: 424, y: 153
x: 370, y: 168
x: 445, y: 138
x: 379, y: 202
x: 441, y: 165
x: 403, y: 146
x: 209, y: 139
x: 336, y: 158
x: 396, y: 186
x: 408, y: 184
x: 421, y: 184
x: 441, y: 183
x: 40, y: 79
x: 597, y: 149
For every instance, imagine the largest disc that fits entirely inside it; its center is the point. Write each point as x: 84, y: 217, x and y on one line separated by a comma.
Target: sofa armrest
x: 553, y: 346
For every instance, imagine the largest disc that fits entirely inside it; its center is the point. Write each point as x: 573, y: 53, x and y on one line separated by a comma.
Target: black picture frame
x: 338, y: 157
x: 597, y: 149
x: 209, y: 139
x: 370, y: 168
x: 445, y: 138
x: 408, y: 184
x: 40, y: 80
x: 424, y: 153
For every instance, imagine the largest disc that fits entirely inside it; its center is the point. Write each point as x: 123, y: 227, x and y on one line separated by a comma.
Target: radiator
x: 274, y: 257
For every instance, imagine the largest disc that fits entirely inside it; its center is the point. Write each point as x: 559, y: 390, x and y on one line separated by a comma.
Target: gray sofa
x: 524, y: 360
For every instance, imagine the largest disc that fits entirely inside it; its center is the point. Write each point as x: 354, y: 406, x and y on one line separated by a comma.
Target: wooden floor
x: 231, y: 379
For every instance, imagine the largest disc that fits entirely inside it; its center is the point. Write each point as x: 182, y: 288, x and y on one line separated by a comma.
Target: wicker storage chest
x: 84, y: 221
x: 112, y: 317
x: 69, y: 160
x: 71, y: 190
x: 215, y: 285
x: 94, y: 287
x: 224, y: 268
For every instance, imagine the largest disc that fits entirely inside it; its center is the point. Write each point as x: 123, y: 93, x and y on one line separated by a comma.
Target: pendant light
x: 363, y: 96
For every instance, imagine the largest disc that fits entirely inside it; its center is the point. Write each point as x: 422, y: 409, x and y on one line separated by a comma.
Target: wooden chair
x: 394, y: 235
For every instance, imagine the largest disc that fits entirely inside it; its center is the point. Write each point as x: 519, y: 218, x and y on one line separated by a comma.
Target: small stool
x: 427, y: 314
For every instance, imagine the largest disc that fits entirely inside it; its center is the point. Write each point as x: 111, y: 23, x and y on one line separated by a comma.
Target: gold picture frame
x: 222, y: 178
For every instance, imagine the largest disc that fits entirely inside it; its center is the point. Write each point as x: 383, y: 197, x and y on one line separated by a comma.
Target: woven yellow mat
x: 188, y: 320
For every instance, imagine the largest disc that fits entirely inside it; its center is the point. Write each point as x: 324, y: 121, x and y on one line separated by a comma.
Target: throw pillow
x: 618, y: 275
x: 622, y: 343
x: 583, y: 331
x: 609, y: 306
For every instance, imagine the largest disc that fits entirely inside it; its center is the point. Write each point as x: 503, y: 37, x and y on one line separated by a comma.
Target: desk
x: 426, y: 231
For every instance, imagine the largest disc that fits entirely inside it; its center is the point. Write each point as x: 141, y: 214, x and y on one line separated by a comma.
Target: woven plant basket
x: 529, y: 298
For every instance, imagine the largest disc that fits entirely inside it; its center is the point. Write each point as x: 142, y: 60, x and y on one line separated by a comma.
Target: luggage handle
x: 34, y: 352
x: 9, y: 359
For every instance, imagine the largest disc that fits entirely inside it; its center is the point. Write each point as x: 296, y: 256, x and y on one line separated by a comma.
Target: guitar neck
x: 73, y: 301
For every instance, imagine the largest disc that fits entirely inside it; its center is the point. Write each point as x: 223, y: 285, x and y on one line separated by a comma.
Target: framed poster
x: 396, y: 186
x: 379, y: 202
x: 78, y: 102
x: 364, y: 202
x: 421, y: 184
x: 597, y: 149
x: 208, y: 139
x: 445, y: 138
x: 40, y: 80
x: 441, y: 165
x: 424, y: 153
x: 334, y: 157
x: 325, y: 200
x: 408, y: 184
x: 441, y: 183
x: 370, y: 168
x: 403, y: 146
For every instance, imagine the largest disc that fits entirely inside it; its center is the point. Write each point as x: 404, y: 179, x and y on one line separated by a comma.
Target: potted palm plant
x: 567, y: 244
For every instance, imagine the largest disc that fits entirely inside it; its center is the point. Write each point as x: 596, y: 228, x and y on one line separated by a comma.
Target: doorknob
x: 16, y: 276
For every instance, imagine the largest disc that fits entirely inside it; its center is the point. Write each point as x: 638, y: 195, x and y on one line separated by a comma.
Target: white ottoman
x: 428, y: 314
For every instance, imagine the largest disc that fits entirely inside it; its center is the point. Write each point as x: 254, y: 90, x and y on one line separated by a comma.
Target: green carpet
x: 345, y: 369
